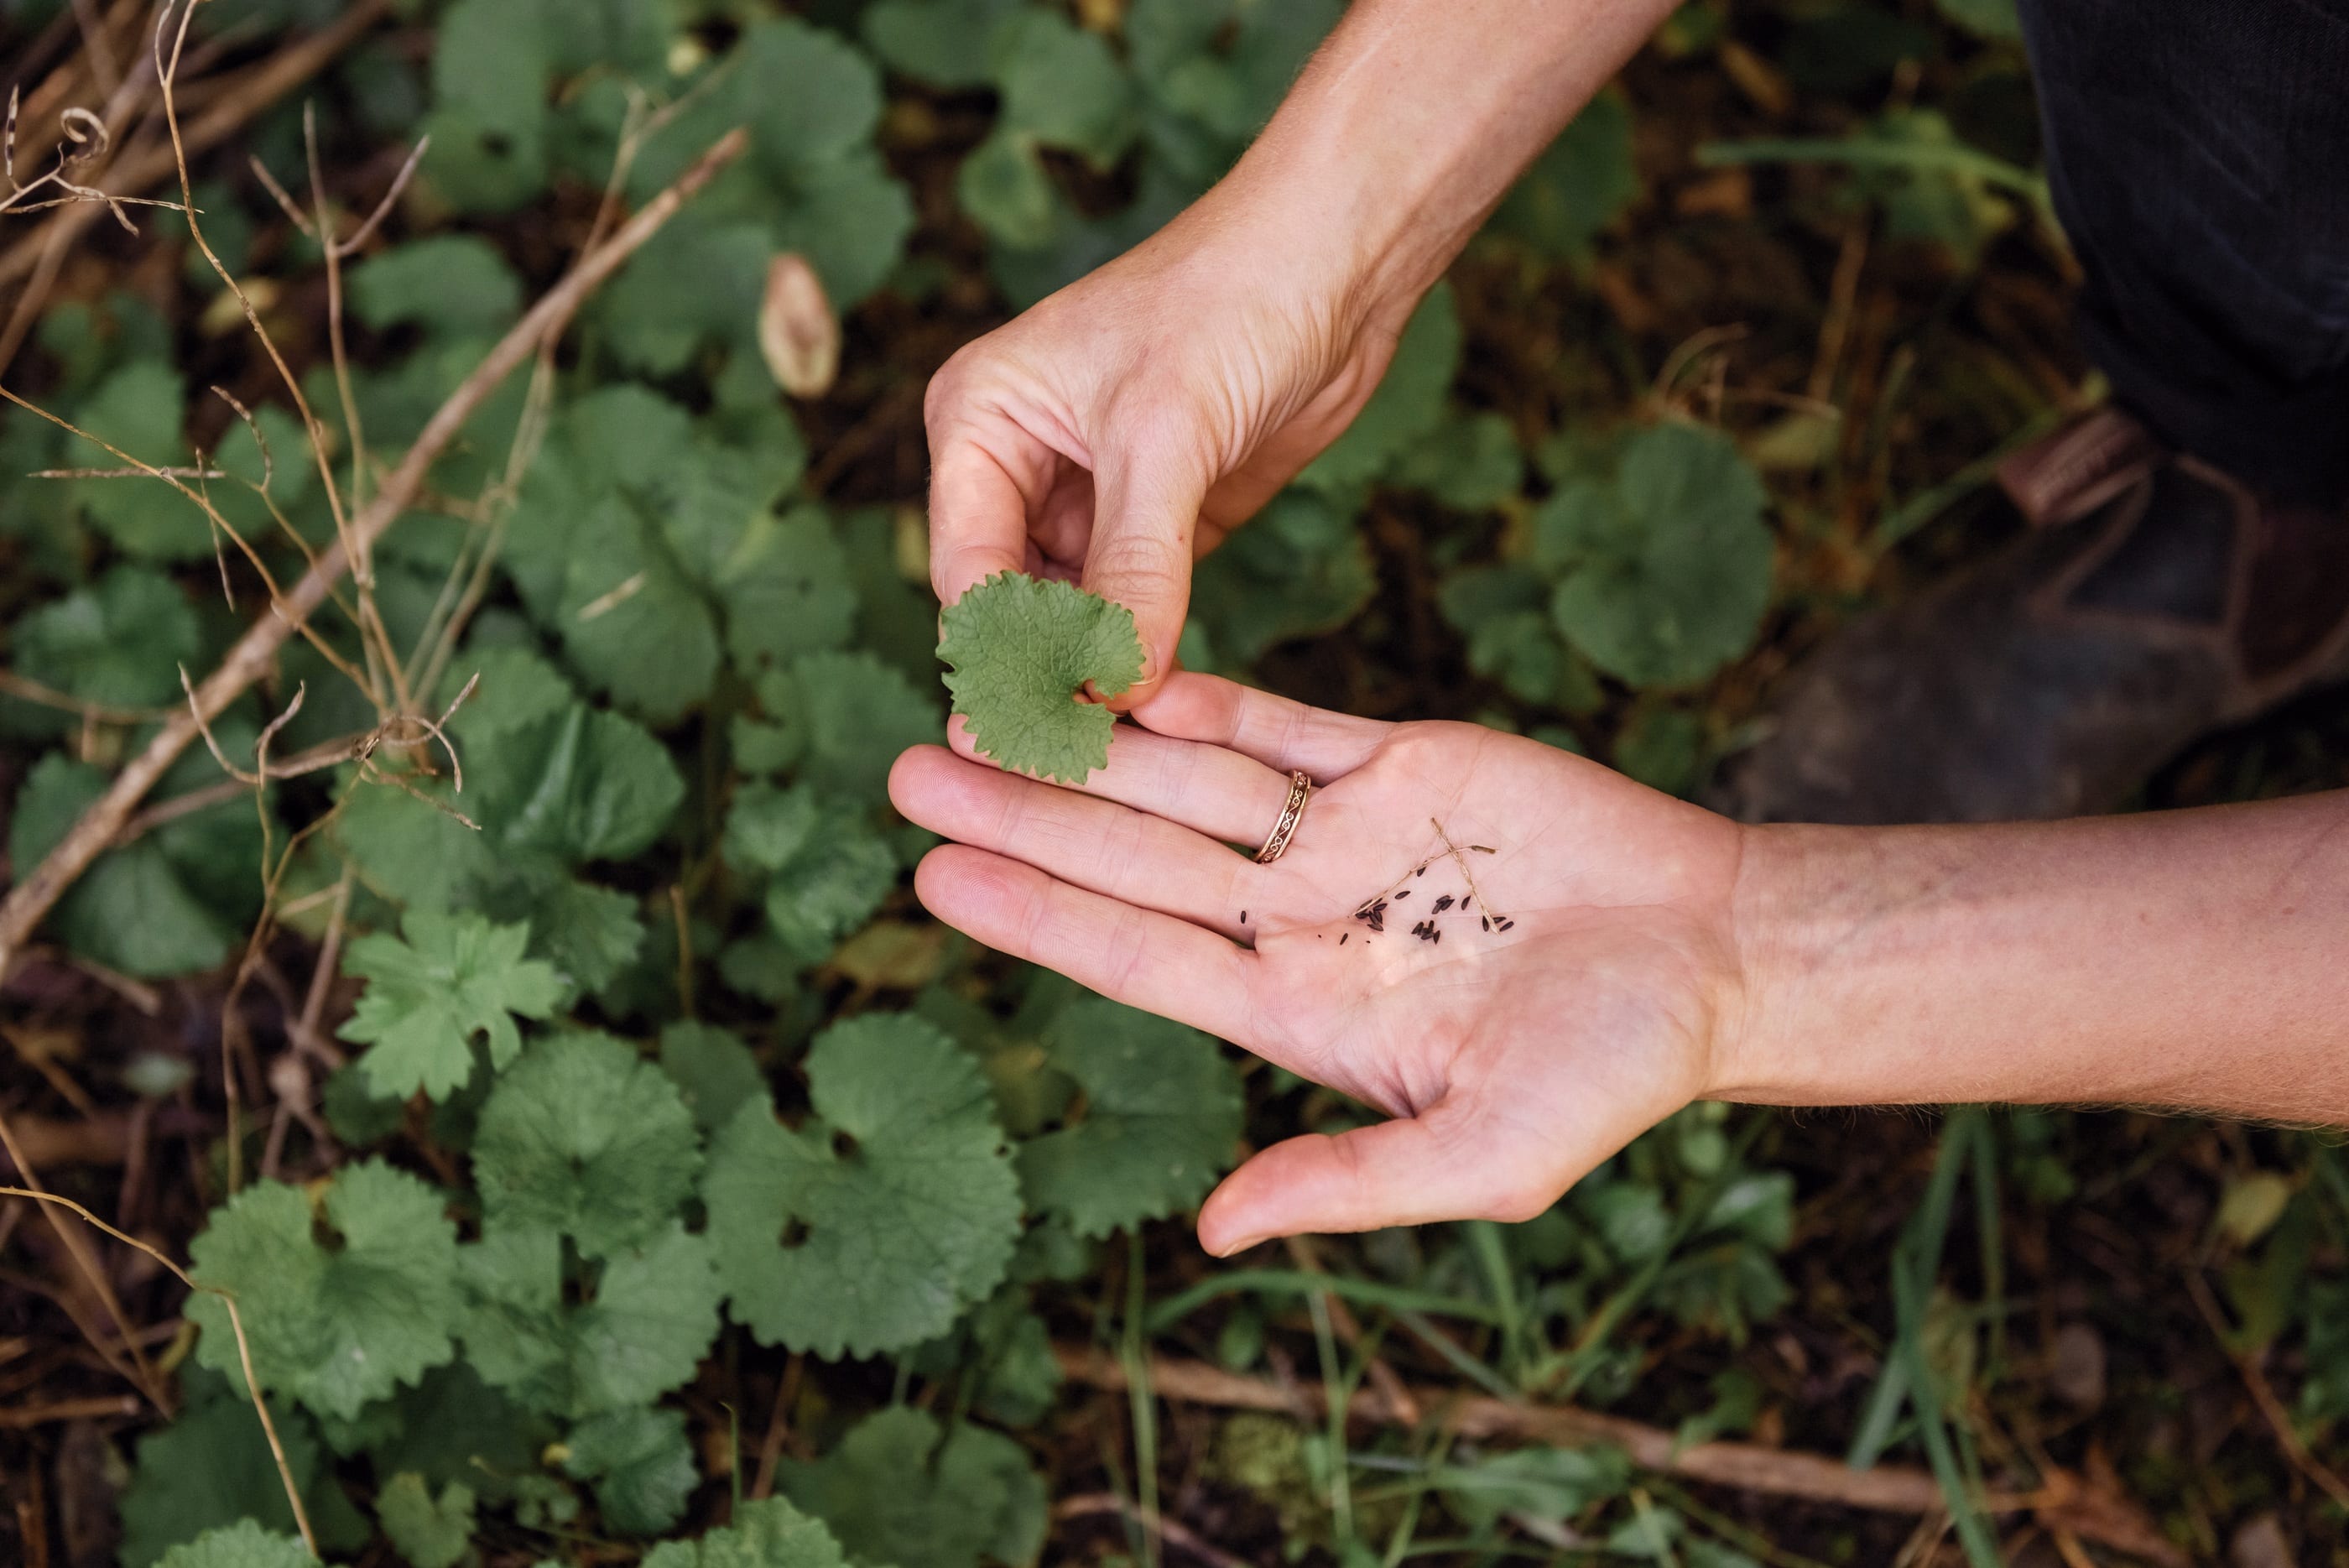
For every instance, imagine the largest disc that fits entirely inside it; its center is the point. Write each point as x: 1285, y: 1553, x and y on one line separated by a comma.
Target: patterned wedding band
x: 1300, y: 788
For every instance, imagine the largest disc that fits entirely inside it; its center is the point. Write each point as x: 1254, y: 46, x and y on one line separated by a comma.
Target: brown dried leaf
x: 798, y: 332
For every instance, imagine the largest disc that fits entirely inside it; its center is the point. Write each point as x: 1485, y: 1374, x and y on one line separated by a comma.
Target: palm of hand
x: 1564, y: 997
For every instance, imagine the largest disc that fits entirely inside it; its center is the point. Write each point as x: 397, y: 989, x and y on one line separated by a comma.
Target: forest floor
x: 2094, y: 1355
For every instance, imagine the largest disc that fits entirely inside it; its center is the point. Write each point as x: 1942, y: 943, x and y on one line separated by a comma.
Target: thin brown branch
x: 1173, y: 1533
x: 779, y: 1428
x: 251, y: 658
x: 24, y: 688
x: 1749, y: 1466
x: 142, y: 1371
x: 236, y: 1328
x: 240, y: 102
x: 99, y: 1407
x: 2272, y: 1410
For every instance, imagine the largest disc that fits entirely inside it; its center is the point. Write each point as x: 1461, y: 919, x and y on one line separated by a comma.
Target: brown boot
x: 2154, y: 599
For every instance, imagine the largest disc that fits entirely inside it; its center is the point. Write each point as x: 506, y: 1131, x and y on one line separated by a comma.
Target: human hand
x: 1122, y: 427
x: 1590, y: 997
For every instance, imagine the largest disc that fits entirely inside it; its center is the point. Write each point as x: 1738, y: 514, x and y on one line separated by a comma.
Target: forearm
x: 2195, y: 959
x: 1412, y: 121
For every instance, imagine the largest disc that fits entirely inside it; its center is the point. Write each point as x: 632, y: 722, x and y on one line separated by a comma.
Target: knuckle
x: 1141, y: 564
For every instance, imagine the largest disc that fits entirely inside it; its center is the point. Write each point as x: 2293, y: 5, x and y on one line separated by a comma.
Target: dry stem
x: 236, y: 1328
x: 251, y: 658
x: 1750, y: 1467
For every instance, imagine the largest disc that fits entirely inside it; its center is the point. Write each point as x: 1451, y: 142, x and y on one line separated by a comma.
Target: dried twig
x: 242, y: 99
x: 26, y: 690
x: 236, y: 1328
x: 2271, y: 1409
x: 140, y: 1371
x: 254, y: 651
x: 1173, y: 1533
x: 1749, y: 1466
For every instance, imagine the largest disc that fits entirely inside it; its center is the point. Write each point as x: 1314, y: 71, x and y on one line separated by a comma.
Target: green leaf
x: 769, y: 1533
x: 828, y: 870
x: 119, y: 642
x: 1503, y: 612
x: 138, y: 411
x: 633, y: 1332
x: 1470, y: 462
x: 1985, y: 18
x: 590, y: 934
x: 839, y: 719
x: 1017, y: 652
x: 1162, y: 1116
x: 1006, y: 1347
x: 455, y: 284
x: 1006, y: 190
x: 453, y: 1427
x: 900, y: 1489
x: 1406, y: 407
x: 898, y: 1228
x: 585, y: 1139
x: 1063, y: 86
x: 427, y: 1531
x: 944, y: 43
x: 1578, y: 187
x: 1955, y: 208
x: 585, y: 785
x: 211, y: 1466
x: 488, y: 124
x: 786, y: 589
x: 1663, y: 574
x: 1550, y: 1484
x: 1300, y: 569
x: 813, y: 182
x: 712, y: 1069
x: 242, y: 1545
x: 334, y: 1326
x: 850, y: 218
x: 403, y: 849
x: 699, y: 279
x: 641, y: 1464
x: 444, y: 980
x: 629, y: 618
x: 171, y: 903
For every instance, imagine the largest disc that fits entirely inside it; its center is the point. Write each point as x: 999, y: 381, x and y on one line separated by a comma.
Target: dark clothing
x: 2199, y: 151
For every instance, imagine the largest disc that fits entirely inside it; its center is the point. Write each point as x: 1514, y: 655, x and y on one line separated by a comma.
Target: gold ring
x: 1300, y: 788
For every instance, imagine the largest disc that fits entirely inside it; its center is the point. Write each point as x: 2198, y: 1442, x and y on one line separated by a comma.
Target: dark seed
x: 1466, y: 901
x: 1341, y: 940
x: 1439, y: 936
x: 1404, y: 894
x: 1485, y: 920
x: 1443, y: 903
x: 1506, y: 924
x: 1243, y: 917
x: 1422, y: 871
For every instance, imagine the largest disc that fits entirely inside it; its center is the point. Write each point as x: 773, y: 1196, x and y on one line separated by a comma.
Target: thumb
x: 1414, y: 1170
x: 1146, y: 510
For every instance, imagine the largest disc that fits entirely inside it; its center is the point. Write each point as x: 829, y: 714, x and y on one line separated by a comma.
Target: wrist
x: 1768, y: 1048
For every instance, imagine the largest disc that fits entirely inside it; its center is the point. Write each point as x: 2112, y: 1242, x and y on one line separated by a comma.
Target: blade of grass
x: 1491, y: 1256
x: 1133, y: 1351
x: 1337, y: 1391
x: 1916, y: 1264
x: 1174, y: 1309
